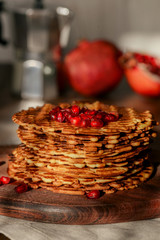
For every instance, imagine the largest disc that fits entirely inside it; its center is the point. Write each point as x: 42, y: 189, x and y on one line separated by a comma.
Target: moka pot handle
x: 3, y: 41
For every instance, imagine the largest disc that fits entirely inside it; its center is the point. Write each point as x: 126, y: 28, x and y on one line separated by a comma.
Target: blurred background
x: 130, y: 24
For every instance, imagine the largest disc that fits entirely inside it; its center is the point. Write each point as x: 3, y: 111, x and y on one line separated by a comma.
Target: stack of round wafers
x: 64, y: 158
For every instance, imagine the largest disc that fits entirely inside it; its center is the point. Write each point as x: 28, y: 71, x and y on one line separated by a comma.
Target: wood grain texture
x: 45, y: 206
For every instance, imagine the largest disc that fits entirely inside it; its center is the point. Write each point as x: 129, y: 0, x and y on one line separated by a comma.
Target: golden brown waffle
x: 32, y: 134
x: 68, y: 159
x: 37, y: 177
x: 25, y: 156
x: 129, y: 120
x: 62, y: 141
x: 23, y: 153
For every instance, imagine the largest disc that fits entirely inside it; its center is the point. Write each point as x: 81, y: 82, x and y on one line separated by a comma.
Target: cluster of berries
x: 152, y: 64
x: 83, y: 117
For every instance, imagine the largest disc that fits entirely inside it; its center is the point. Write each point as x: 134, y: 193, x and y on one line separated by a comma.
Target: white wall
x: 129, y: 23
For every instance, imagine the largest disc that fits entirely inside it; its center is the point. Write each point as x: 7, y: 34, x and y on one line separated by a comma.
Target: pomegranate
x: 92, y: 68
x: 142, y: 72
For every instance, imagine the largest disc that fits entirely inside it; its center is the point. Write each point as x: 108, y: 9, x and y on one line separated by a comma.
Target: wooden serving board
x: 45, y: 206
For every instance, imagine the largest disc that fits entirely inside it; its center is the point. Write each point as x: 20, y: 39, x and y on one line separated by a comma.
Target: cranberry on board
x: 23, y: 187
x: 4, y: 180
x: 94, y: 194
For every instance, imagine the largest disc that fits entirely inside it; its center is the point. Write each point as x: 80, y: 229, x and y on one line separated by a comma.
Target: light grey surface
x: 26, y: 230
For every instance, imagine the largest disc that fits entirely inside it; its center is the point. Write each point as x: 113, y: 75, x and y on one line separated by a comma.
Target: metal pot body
x: 38, y: 34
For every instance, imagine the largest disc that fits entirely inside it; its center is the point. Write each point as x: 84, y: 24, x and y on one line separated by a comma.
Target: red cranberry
x: 85, y: 123
x: 97, y: 123
x: 99, y: 115
x: 90, y: 116
x: 109, y: 117
x: 67, y: 115
x: 83, y: 109
x: 57, y: 109
x: 60, y: 117
x: 86, y: 111
x: 53, y: 115
x: 85, y: 116
x: 76, y: 121
x: 116, y: 115
x: 21, y: 188
x: 67, y: 111
x: 92, y: 112
x: 4, y: 180
x: 75, y: 109
x: 94, y: 194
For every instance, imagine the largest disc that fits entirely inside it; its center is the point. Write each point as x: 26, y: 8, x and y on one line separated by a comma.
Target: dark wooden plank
x: 45, y: 206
